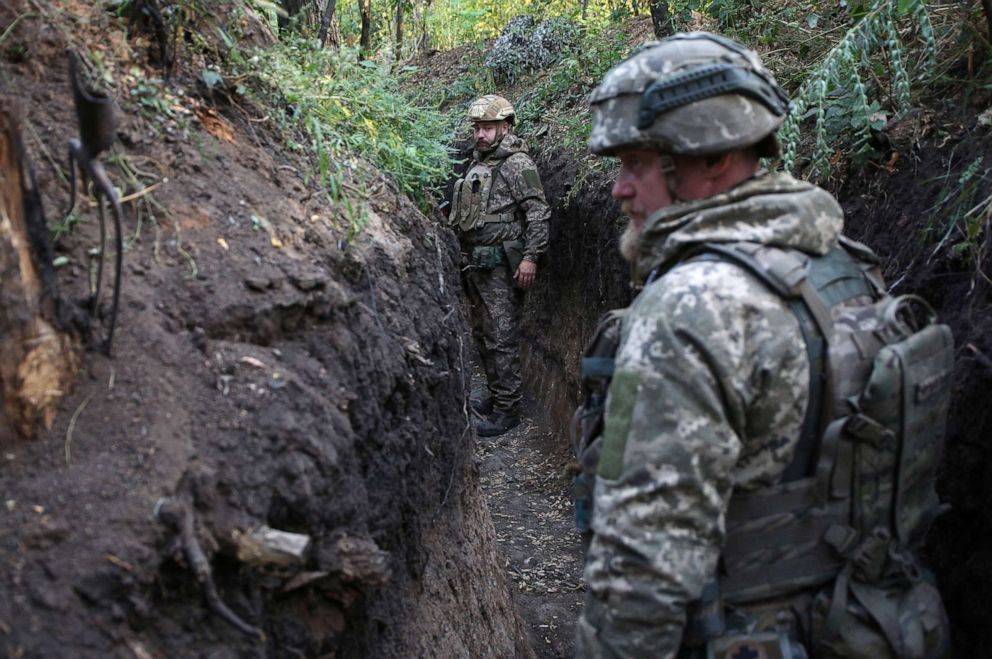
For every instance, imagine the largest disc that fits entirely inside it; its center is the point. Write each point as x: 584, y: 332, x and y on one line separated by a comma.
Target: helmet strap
x: 668, y: 169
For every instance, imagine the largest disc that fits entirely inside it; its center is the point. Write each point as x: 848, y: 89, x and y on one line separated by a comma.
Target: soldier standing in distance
x: 714, y: 393
x: 501, y: 216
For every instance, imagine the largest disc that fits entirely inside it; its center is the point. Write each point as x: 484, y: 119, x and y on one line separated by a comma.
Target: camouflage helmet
x: 491, y: 108
x: 694, y: 94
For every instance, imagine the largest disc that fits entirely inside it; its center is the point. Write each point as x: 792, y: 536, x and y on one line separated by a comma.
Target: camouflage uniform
x: 518, y: 212
x: 708, y: 396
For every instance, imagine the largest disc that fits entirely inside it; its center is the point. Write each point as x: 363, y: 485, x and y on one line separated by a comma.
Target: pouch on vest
x: 587, y: 423
x: 468, y: 197
x: 486, y: 257
x: 882, y: 604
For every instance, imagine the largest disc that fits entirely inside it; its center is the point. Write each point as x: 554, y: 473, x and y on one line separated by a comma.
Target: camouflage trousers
x: 494, y: 314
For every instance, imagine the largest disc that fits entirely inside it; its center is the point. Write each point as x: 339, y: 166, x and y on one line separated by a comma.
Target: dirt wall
x: 581, y: 277
x: 272, y: 366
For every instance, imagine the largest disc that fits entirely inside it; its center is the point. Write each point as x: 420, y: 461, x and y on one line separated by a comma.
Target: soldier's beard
x: 632, y: 232
x: 629, y: 240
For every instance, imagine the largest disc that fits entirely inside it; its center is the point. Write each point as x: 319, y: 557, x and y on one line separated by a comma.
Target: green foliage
x: 961, y: 221
x: 349, y: 108
x: 843, y: 92
x: 462, y: 21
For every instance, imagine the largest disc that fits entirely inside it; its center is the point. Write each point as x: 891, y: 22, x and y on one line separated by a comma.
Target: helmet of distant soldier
x: 693, y: 94
x: 491, y: 108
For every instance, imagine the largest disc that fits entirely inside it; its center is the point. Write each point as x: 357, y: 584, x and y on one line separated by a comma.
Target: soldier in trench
x: 705, y: 542
x: 501, y: 216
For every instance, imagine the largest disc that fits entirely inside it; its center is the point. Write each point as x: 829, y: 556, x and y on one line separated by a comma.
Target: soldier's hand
x: 525, y: 274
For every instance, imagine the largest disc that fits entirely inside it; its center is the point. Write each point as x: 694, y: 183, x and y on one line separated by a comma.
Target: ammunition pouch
x: 882, y: 605
x: 486, y: 257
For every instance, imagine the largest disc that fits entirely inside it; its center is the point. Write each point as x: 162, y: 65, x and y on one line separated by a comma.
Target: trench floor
x: 524, y: 477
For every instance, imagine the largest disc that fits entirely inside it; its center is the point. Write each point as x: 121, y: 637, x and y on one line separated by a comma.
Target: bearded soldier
x: 501, y: 216
x: 752, y: 494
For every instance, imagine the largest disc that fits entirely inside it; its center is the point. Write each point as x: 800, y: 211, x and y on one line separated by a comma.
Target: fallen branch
x: 139, y: 194
x: 178, y: 516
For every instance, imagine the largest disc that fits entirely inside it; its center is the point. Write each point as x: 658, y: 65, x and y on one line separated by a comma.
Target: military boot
x: 482, y: 404
x: 497, y: 424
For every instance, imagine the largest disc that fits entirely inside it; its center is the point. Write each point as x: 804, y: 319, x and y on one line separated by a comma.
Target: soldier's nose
x: 622, y: 190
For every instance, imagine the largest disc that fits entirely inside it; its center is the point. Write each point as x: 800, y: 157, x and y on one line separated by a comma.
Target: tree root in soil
x: 178, y: 516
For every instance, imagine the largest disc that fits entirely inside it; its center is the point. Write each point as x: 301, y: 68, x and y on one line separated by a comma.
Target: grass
x: 346, y: 108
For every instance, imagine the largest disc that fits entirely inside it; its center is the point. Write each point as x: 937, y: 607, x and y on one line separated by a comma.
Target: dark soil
x: 528, y: 490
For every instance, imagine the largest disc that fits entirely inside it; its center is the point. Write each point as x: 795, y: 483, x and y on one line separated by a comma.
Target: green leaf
x: 812, y: 21
x: 904, y: 7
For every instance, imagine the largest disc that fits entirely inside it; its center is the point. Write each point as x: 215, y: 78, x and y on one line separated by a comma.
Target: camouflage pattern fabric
x: 708, y: 396
x: 525, y: 46
x: 699, y: 126
x: 494, y: 314
x: 494, y: 301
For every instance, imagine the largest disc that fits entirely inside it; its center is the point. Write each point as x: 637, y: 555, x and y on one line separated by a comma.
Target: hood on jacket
x: 772, y: 209
x: 505, y: 148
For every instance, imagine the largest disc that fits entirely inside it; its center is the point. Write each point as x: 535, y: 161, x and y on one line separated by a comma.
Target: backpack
x: 853, y: 507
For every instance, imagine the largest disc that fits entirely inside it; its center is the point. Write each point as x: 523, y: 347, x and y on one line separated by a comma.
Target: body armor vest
x: 470, y: 198
x: 854, y: 505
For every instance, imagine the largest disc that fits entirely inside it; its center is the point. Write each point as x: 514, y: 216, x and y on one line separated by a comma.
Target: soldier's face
x: 488, y: 133
x: 640, y: 187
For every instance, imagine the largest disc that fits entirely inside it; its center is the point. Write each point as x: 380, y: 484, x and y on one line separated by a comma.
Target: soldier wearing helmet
x: 710, y: 382
x: 501, y: 216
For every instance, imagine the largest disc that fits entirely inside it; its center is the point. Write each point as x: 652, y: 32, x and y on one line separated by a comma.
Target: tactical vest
x: 470, y: 198
x: 854, y: 505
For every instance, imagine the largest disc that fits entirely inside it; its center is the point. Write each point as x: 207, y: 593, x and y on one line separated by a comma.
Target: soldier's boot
x: 482, y: 404
x: 497, y: 424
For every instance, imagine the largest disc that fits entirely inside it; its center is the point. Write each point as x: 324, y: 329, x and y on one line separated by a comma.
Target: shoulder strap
x: 496, y: 172
x: 785, y: 272
x: 811, y: 286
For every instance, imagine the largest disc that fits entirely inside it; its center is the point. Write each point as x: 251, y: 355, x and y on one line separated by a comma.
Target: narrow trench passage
x: 528, y: 492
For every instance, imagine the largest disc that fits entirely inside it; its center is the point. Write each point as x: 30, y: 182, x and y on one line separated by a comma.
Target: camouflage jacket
x: 708, y: 395
x: 516, y: 186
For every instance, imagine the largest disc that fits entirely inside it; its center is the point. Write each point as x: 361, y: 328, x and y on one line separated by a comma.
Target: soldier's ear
x: 717, y: 164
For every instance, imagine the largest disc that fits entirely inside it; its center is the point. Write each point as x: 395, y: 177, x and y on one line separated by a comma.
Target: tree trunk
x: 399, y: 30
x: 38, y: 360
x: 365, y: 43
x: 661, y: 18
x: 425, y: 38
x: 325, y: 22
